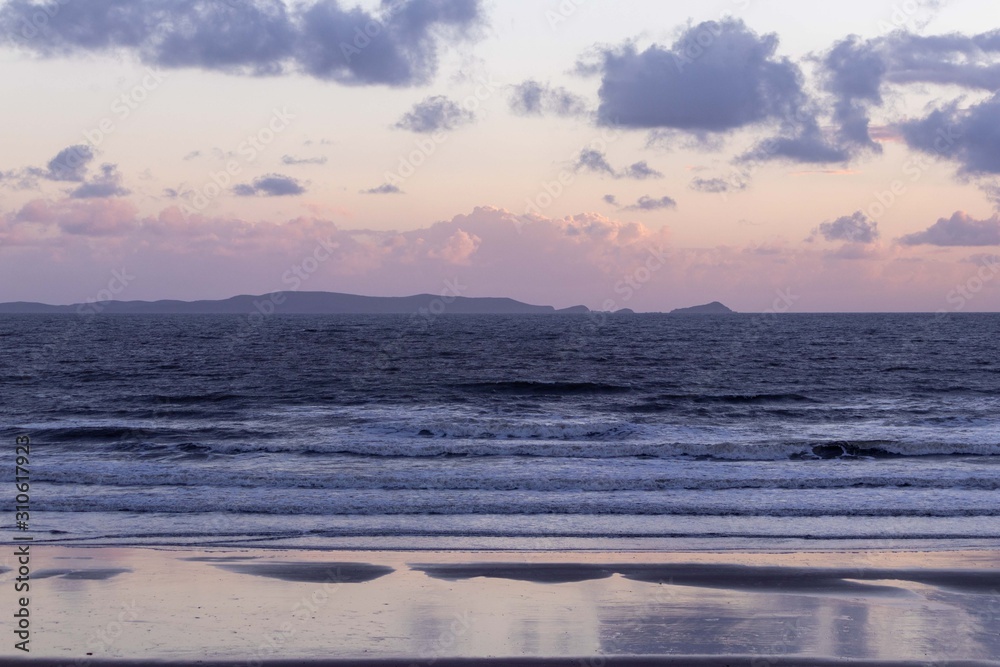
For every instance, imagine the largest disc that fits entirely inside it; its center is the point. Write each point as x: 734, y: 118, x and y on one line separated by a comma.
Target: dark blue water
x: 548, y: 432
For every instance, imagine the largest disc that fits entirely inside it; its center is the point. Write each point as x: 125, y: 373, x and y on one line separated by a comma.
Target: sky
x: 768, y: 154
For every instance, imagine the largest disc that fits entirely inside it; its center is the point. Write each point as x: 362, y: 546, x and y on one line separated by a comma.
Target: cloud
x: 107, y: 184
x: 559, y: 261
x: 270, y: 185
x: 640, y: 171
x: 292, y: 161
x: 591, y: 160
x: 958, y: 230
x: 397, y: 45
x: 717, y: 185
x: 806, y: 144
x: 500, y: 253
x: 611, y: 199
x: 405, y: 49
x: 970, y: 137
x: 734, y: 81
x: 458, y: 249
x: 855, y: 228
x: 646, y: 203
x: 854, y: 71
x: 720, y: 76
x: 532, y: 98
x: 968, y: 61
x: 992, y: 192
x: 717, y: 77
x: 595, y: 161
x: 192, y: 156
x: 435, y: 114
x: 384, y: 189
x: 92, y: 218
x: 70, y: 164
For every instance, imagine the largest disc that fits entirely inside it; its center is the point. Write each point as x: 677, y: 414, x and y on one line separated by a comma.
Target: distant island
x: 327, y: 303
x: 302, y: 303
x: 714, y: 308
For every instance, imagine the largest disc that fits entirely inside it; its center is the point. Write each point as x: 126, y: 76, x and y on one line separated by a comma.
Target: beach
x: 256, y: 606
x: 481, y: 495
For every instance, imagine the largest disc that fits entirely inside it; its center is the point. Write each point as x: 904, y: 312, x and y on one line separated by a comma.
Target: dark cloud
x: 106, y: 184
x: 434, y: 114
x: 271, y: 185
x: 992, y: 192
x: 384, y: 189
x: 532, y: 98
x: 591, y: 160
x: 718, y: 76
x: 958, y: 230
x: 968, y: 61
x: 70, y: 164
x: 646, y: 203
x: 806, y: 144
x: 398, y: 45
x: 292, y: 161
x: 611, y: 199
x: 721, y: 76
x: 595, y: 161
x: 855, y: 228
x: 640, y: 171
x: 255, y: 37
x: 855, y: 70
x: 717, y: 185
x: 970, y: 137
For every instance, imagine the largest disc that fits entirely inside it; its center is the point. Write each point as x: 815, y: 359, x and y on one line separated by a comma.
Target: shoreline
x: 227, y: 606
x: 580, y: 661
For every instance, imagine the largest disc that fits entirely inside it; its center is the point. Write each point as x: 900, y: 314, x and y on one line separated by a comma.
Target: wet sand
x: 252, y: 607
x: 620, y: 661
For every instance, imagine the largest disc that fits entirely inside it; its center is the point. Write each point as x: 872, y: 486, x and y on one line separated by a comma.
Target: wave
x: 671, y: 402
x: 326, y: 502
x: 521, y: 429
x: 495, y: 532
x: 531, y: 387
x: 192, y: 399
x: 752, y: 398
x: 562, y: 445
x: 102, y: 434
x: 147, y: 435
x: 505, y: 478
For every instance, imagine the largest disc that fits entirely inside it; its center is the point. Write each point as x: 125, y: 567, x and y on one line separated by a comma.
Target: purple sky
x: 635, y: 153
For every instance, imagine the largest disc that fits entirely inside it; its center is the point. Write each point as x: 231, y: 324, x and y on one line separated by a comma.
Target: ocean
x: 551, y: 432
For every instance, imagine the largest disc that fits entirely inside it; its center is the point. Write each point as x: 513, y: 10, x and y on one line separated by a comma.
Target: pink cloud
x: 96, y: 217
x: 458, y: 249
x: 61, y: 252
